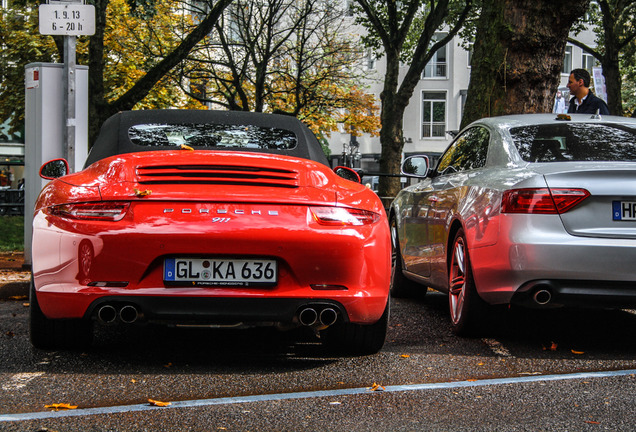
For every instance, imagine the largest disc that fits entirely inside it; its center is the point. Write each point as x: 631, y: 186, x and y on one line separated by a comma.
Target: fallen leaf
x: 552, y: 347
x: 405, y: 356
x: 578, y: 352
x: 19, y: 297
x: 591, y: 422
x: 26, y: 304
x: 471, y: 380
x: 133, y: 381
x: 142, y: 193
x: 158, y: 403
x: 377, y: 387
x: 480, y: 364
x: 167, y: 365
x: 60, y: 406
x: 10, y: 334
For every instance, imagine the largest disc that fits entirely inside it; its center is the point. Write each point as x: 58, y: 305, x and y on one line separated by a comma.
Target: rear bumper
x: 576, y: 293
x: 535, y: 252
x: 215, y: 310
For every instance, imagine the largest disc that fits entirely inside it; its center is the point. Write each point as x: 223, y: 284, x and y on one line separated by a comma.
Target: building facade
x: 436, y: 107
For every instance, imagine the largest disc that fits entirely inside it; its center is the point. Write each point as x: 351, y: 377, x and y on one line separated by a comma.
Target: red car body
x: 313, y: 248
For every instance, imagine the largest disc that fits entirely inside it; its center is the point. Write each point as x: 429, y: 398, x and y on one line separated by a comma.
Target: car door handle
x: 433, y: 198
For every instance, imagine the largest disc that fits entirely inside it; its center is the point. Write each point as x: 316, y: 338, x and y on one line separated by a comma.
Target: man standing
x: 584, y: 101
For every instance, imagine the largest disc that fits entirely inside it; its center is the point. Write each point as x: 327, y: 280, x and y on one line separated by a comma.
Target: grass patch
x: 11, y: 233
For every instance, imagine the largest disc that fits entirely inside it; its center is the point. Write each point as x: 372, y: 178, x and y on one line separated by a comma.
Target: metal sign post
x: 69, y: 19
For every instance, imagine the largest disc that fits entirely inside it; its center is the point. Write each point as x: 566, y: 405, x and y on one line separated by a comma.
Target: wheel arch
x: 456, y: 225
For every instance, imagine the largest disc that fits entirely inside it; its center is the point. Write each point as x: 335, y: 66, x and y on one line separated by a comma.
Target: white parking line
x: 306, y: 395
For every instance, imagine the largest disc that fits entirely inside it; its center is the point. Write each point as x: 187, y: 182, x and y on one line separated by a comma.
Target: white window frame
x: 567, y: 57
x: 585, y: 58
x: 430, y: 124
x: 434, y: 64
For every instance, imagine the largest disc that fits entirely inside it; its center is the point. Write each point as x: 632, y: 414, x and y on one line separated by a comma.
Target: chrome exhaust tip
x: 107, y: 314
x: 328, y: 316
x: 308, y: 316
x: 128, y: 314
x: 542, y: 297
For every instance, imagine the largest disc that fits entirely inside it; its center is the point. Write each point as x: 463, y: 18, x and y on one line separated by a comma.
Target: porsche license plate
x: 624, y: 210
x: 220, y: 272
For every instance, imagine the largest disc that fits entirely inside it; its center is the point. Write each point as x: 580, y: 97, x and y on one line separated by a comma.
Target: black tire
x: 467, y: 310
x: 48, y: 333
x: 358, y: 339
x: 401, y: 286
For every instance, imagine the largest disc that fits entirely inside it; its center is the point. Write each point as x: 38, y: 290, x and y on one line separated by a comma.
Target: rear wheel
x: 401, y: 286
x: 467, y: 309
x: 358, y: 339
x: 47, y: 333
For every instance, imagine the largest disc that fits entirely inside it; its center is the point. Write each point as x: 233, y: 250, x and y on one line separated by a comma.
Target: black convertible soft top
x: 115, y: 135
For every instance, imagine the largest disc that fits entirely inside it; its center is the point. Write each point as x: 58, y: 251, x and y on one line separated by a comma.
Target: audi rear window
x: 212, y: 136
x: 575, y: 142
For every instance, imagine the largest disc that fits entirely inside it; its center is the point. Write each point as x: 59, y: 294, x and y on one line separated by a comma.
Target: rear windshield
x: 212, y: 136
x: 575, y: 142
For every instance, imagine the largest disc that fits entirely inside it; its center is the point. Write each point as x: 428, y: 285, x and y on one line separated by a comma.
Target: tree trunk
x: 392, y: 139
x: 518, y: 56
x: 613, y: 85
x: 391, y: 134
x: 97, y: 106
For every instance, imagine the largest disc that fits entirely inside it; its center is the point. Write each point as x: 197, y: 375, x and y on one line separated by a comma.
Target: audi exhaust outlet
x: 128, y: 314
x: 107, y: 314
x: 542, y: 297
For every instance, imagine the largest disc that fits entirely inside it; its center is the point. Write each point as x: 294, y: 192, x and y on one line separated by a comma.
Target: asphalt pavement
x: 553, y: 370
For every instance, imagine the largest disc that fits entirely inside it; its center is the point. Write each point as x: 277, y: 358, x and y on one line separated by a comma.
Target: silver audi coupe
x: 536, y: 210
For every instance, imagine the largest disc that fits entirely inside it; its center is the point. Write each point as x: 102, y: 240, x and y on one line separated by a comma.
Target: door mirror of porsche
x: 54, y: 168
x: 347, y: 173
x: 416, y: 166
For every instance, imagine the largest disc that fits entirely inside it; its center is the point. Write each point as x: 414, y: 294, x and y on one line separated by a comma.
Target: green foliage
x: 20, y: 44
x: 11, y: 233
x: 629, y: 81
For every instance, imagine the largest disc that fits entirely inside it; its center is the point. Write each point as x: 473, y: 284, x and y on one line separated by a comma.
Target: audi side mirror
x: 416, y: 166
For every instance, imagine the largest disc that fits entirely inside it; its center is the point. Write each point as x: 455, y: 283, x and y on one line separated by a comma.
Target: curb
x: 12, y: 289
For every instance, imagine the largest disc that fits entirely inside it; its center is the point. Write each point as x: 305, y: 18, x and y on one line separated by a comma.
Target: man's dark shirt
x: 589, y: 106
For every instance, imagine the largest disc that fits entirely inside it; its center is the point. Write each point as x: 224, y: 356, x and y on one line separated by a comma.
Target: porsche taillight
x: 340, y: 216
x: 542, y: 200
x: 103, y: 211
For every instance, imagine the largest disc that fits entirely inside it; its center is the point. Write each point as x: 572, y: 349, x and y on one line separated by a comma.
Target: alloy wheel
x: 457, y: 281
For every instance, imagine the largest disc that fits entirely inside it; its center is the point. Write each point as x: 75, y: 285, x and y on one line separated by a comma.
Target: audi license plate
x: 220, y: 272
x: 624, y: 210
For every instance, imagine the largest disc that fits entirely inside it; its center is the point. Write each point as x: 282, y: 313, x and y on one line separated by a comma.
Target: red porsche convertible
x: 204, y: 218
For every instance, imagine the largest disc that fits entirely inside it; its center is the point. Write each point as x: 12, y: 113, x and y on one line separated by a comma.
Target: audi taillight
x: 103, y: 211
x: 542, y: 200
x: 340, y: 216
